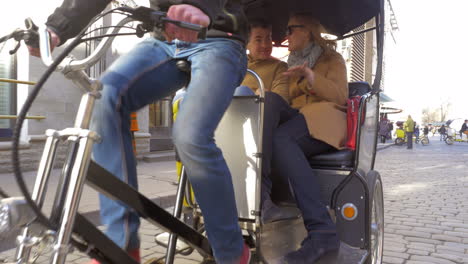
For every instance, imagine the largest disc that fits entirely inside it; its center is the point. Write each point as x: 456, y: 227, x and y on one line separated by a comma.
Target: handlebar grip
x: 195, y: 27
x: 31, y: 37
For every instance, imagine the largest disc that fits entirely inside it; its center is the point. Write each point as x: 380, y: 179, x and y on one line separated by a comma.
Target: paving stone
x: 393, y: 260
x: 452, y: 224
x: 395, y: 254
x: 414, y: 233
x: 449, y: 248
x: 398, y: 227
x: 421, y: 246
x: 413, y: 252
x: 413, y: 224
x: 425, y: 221
x: 447, y: 238
x: 428, y: 230
x: 457, y: 245
x: 394, y: 247
x: 430, y: 259
x: 456, y: 234
x: 424, y: 240
x: 450, y: 257
x: 464, y: 230
x: 438, y: 226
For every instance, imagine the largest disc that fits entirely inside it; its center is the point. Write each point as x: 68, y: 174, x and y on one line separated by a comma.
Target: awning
x: 385, y: 98
x: 337, y: 16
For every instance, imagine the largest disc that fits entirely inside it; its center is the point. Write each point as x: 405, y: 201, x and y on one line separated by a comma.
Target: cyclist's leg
x: 217, y: 69
x: 127, y: 89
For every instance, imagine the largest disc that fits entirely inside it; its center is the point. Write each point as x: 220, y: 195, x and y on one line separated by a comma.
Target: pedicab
x: 400, y: 134
x: 453, y: 135
x: 349, y: 185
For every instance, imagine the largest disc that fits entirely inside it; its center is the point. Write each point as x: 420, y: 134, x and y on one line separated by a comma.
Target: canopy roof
x: 337, y: 16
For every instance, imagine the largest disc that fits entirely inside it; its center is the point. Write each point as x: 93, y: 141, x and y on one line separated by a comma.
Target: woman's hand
x: 301, y: 71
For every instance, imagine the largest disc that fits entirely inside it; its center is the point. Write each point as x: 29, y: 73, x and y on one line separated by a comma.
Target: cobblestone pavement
x: 426, y: 217
x: 426, y: 202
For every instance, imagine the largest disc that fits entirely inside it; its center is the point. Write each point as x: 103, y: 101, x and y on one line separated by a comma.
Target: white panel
x: 237, y: 136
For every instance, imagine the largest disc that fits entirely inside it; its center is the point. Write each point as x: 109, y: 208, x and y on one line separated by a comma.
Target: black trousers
x: 287, y: 144
x: 409, y: 140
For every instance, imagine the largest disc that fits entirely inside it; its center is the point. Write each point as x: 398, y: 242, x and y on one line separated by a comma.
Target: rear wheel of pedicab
x: 376, y: 221
x: 449, y: 140
x: 399, y: 141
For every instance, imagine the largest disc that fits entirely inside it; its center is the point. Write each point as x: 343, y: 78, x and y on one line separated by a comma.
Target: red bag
x: 352, y: 115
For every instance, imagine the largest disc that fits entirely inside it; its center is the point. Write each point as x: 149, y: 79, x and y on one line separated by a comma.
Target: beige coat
x: 324, y: 103
x: 270, y: 70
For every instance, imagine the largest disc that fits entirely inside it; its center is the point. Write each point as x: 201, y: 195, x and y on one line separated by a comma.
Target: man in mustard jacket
x: 260, y: 61
x: 409, y: 129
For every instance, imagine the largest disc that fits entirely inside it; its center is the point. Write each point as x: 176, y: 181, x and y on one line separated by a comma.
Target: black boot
x: 313, y: 248
x: 272, y: 213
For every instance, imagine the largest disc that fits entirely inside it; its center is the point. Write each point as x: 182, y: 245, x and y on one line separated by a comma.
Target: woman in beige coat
x: 314, y: 123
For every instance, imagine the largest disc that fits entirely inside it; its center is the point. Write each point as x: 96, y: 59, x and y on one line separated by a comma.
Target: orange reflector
x: 349, y: 212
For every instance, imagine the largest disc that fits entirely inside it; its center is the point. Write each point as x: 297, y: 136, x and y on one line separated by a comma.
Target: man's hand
x: 185, y: 13
x: 54, y: 42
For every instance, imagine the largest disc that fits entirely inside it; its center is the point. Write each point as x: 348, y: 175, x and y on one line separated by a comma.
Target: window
x: 7, y: 92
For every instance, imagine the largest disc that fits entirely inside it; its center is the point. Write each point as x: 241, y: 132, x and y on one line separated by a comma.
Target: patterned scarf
x: 310, y: 55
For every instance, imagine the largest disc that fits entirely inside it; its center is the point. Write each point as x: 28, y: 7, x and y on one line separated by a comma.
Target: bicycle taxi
x: 349, y: 185
x: 453, y: 134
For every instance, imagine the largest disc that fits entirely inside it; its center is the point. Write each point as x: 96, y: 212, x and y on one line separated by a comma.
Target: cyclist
x: 148, y: 73
x: 464, y: 129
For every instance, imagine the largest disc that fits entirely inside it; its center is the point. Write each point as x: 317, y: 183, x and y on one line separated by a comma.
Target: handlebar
x: 150, y: 19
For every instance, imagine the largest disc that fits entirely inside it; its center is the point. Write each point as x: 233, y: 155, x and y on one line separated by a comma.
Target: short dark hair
x: 258, y: 23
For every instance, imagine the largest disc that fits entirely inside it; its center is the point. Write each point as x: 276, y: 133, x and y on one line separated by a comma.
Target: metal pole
x: 78, y: 177
x: 45, y: 166
x: 16, y: 81
x: 171, y: 245
x: 15, y: 117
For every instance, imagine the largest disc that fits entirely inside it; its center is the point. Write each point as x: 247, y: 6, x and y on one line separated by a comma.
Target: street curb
x: 168, y: 155
x: 385, y: 147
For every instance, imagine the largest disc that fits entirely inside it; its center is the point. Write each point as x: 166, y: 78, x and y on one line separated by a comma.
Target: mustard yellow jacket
x: 270, y: 70
x: 323, y: 104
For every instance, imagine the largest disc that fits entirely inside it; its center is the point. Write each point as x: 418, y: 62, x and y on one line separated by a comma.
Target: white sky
x: 428, y: 64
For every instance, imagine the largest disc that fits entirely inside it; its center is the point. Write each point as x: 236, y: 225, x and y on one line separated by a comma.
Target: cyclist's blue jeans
x: 146, y: 74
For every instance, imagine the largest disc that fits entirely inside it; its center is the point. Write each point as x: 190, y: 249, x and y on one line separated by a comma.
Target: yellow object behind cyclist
x: 400, y: 133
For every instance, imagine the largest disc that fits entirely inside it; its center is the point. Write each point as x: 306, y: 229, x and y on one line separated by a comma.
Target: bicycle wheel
x: 399, y: 141
x: 449, y: 140
x: 425, y: 141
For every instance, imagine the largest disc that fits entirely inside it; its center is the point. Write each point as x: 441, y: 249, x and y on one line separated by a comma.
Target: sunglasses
x: 289, y: 29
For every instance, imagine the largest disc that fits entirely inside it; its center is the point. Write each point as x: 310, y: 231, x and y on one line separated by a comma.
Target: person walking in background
x: 390, y: 129
x: 426, y: 131
x: 383, y: 128
x: 416, y: 132
x: 409, y: 129
x: 442, y: 132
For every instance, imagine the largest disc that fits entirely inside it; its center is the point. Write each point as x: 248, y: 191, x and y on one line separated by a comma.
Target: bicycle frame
x: 78, y: 168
